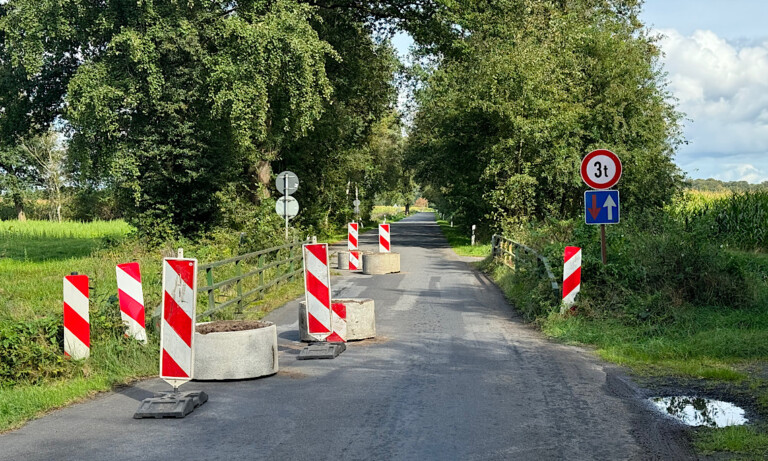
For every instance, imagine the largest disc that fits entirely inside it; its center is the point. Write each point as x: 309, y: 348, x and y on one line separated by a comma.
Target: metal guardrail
x: 261, y: 264
x: 513, y: 254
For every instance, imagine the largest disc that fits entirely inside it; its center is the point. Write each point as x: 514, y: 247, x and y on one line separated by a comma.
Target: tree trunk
x: 18, y: 203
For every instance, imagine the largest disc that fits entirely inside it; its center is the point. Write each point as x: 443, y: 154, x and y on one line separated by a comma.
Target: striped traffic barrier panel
x: 77, y: 329
x: 384, y: 238
x: 131, y: 297
x: 178, y: 324
x: 354, y: 260
x: 571, y: 275
x: 352, y: 236
x: 338, y: 323
x: 317, y: 289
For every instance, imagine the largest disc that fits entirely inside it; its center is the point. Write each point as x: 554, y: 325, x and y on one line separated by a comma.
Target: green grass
x: 117, y: 363
x: 34, y: 257
x: 38, y: 241
x: 749, y: 441
x: 709, y: 344
x: 461, y: 241
x: 393, y: 214
x: 702, y: 342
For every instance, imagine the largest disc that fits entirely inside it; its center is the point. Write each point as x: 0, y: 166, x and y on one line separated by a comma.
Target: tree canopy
x: 532, y: 87
x: 185, y: 110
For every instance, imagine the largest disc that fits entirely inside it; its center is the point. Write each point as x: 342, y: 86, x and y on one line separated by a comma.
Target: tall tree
x: 338, y: 154
x: 49, y: 159
x: 504, y: 122
x: 169, y: 102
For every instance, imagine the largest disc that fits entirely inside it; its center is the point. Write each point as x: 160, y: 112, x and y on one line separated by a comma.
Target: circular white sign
x: 289, y: 179
x: 287, y: 205
x: 601, y: 169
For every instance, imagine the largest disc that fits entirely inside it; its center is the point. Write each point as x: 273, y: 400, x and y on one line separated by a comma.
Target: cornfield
x: 740, y: 219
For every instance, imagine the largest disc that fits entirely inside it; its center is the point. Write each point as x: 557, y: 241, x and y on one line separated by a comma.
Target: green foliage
x: 504, y: 122
x: 186, y: 102
x: 179, y: 112
x: 460, y: 239
x: 357, y: 143
x: 654, y: 268
x: 742, y: 440
x: 30, y: 351
x: 714, y: 185
x: 739, y: 220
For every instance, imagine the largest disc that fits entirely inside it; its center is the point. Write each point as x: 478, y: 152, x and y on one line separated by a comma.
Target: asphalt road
x: 452, y: 374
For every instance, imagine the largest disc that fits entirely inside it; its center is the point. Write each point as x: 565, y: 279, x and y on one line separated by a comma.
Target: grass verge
x: 461, y: 241
x: 114, y: 362
x: 706, y: 348
x: 750, y: 442
x: 35, y: 378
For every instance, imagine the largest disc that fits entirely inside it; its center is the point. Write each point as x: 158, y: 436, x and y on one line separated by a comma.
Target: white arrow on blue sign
x: 601, y: 207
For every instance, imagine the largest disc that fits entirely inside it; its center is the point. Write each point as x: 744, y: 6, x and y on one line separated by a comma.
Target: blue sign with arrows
x: 601, y: 207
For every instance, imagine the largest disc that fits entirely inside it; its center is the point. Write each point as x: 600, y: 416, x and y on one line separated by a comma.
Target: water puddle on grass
x: 699, y: 411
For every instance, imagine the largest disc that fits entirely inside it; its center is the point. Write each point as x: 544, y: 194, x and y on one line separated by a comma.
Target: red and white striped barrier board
x: 571, y: 275
x: 354, y: 260
x: 178, y: 325
x: 352, y: 236
x: 339, y: 323
x: 317, y: 289
x: 131, y: 297
x: 384, y: 238
x: 77, y: 329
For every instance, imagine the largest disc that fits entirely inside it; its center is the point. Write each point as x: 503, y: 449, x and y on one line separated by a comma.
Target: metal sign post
x: 356, y: 203
x: 285, y: 207
x: 287, y: 183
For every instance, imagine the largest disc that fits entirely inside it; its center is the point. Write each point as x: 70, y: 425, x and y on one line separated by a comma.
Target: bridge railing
x: 246, y: 277
x: 516, y: 256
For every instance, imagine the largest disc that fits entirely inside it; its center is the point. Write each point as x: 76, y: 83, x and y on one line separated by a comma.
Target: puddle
x: 698, y: 411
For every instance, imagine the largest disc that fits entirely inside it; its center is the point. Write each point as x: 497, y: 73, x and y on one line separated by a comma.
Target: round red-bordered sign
x: 601, y: 169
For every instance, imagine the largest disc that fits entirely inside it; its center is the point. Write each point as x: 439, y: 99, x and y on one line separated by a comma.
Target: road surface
x: 452, y: 374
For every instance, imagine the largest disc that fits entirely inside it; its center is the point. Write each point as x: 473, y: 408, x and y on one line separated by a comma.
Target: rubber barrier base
x: 170, y: 404
x: 322, y: 351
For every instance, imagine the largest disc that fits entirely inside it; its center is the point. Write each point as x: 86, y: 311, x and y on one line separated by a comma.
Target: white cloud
x: 723, y: 88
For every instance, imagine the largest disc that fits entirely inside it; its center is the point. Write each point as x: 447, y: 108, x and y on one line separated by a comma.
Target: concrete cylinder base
x: 343, y: 263
x: 381, y: 263
x: 361, y: 319
x: 236, y: 354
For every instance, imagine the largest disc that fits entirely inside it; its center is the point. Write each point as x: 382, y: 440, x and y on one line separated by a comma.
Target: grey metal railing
x: 515, y: 254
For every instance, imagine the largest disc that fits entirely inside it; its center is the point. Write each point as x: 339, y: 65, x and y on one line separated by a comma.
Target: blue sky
x: 716, y: 57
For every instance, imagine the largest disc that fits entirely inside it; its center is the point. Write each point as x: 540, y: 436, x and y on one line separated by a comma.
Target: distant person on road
x: 407, y: 209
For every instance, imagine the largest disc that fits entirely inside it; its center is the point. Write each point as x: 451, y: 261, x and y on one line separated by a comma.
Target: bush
x: 30, y: 350
x: 651, y: 270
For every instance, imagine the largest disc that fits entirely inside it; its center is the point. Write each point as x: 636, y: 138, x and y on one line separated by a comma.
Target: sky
x: 716, y: 57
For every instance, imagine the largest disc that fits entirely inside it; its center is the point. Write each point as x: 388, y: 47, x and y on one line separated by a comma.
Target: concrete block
x: 236, y: 354
x: 361, y: 319
x: 381, y: 263
x: 343, y: 261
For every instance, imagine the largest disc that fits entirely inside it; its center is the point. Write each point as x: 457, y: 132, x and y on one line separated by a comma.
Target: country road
x: 452, y: 374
